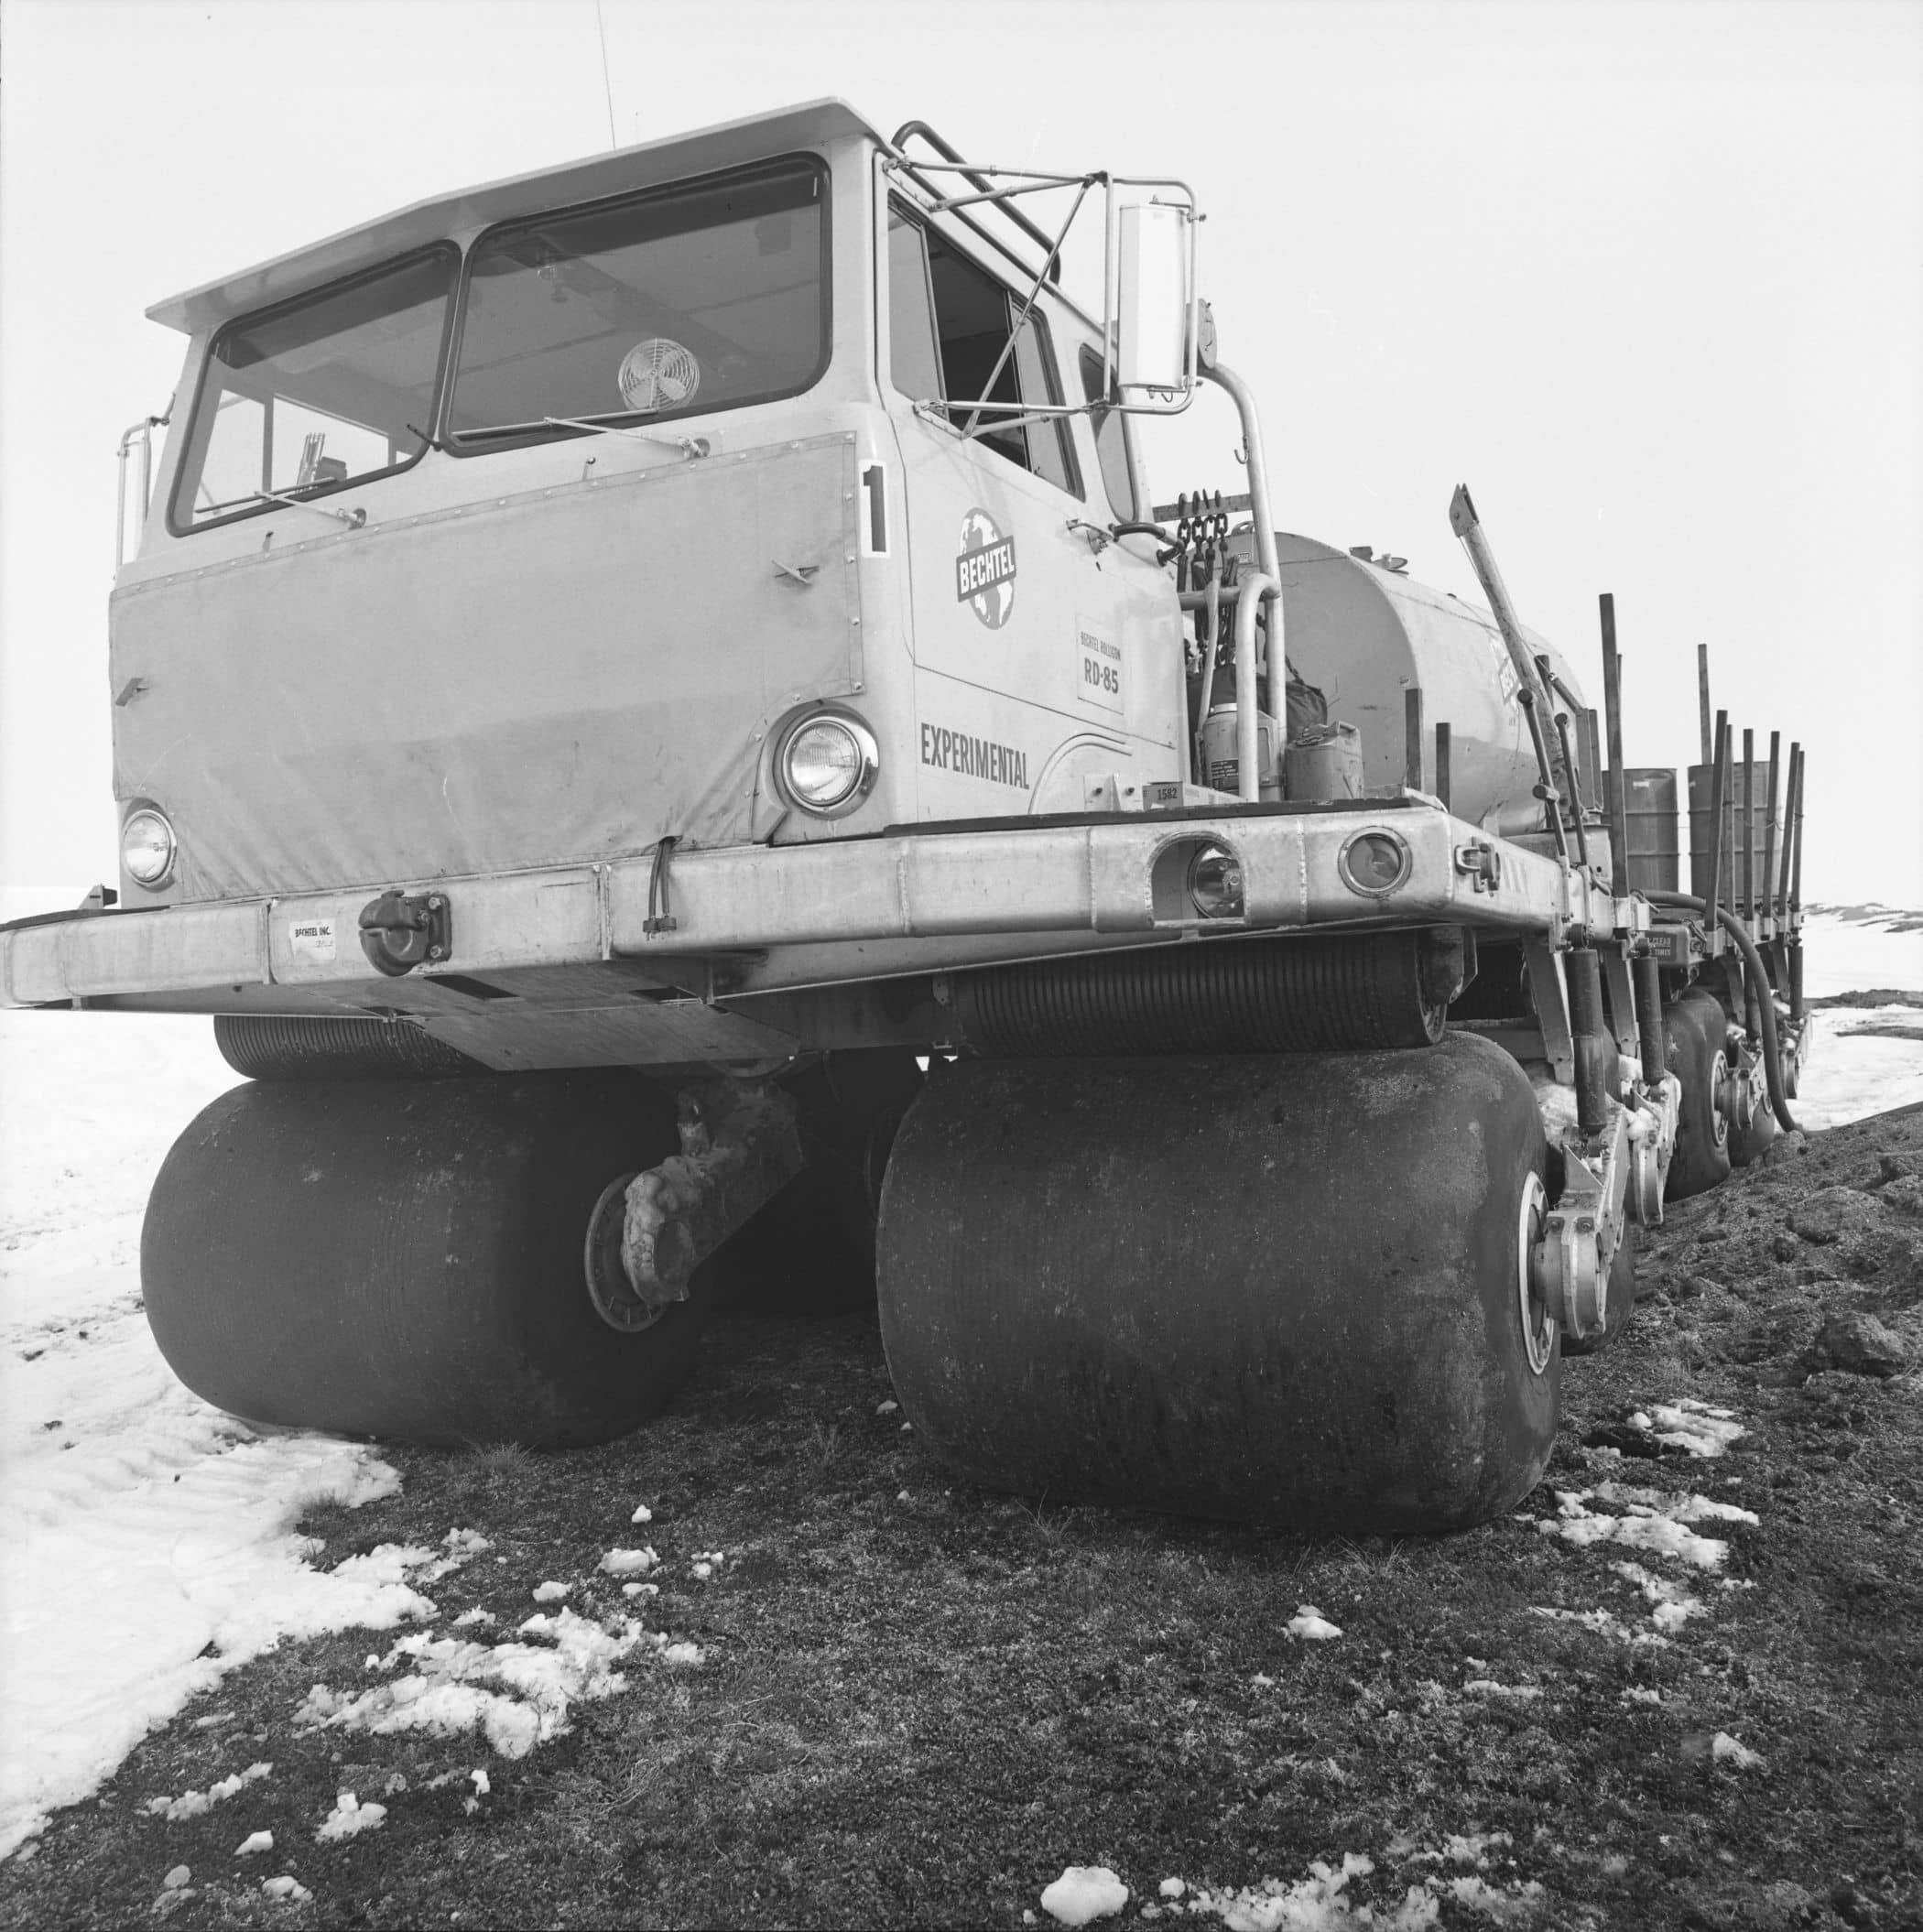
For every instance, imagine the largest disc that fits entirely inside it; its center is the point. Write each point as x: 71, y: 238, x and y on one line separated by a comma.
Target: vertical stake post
x: 1749, y: 825
x: 1769, y: 830
x: 1613, y: 712
x: 1412, y: 737
x: 1702, y: 701
x: 1718, y: 785
x: 1443, y: 765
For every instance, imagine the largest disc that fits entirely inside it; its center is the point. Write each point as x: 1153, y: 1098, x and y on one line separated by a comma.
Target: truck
x: 652, y: 709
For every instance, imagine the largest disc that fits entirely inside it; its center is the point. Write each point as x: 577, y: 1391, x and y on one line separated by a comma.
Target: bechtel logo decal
x: 985, y: 570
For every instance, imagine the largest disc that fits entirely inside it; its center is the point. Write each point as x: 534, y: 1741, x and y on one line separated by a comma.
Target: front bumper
x: 910, y: 900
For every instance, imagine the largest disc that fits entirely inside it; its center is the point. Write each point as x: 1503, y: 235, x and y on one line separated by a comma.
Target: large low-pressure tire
x: 1694, y: 1030
x: 1291, y: 1289
x: 403, y: 1259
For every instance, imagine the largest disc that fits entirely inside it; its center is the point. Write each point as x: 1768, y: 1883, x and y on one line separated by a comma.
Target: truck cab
x: 633, y: 501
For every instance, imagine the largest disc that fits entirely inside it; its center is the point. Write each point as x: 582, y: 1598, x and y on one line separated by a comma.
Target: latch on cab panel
x: 401, y: 931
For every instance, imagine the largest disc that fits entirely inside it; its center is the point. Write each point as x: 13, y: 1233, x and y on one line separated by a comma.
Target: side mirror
x: 1155, y: 303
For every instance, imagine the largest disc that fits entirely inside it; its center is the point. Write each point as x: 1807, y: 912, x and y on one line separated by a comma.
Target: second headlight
x: 827, y: 763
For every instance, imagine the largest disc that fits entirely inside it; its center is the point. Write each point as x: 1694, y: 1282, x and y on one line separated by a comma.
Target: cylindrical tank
x: 1364, y: 635
x: 1729, y: 889
x: 1649, y: 813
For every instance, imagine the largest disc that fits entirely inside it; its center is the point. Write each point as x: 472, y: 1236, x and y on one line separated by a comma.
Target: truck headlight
x: 147, y: 848
x: 827, y: 763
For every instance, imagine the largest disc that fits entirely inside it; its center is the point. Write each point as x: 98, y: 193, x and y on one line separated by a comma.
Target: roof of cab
x: 732, y: 142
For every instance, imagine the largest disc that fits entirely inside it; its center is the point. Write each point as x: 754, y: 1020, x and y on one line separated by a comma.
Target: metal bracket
x: 1482, y: 863
x: 1571, y: 1262
x: 402, y: 930
x: 1550, y: 995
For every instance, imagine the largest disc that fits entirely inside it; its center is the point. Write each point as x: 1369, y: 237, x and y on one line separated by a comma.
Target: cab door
x: 1045, y: 653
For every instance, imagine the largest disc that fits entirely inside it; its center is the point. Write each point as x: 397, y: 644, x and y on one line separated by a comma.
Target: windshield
x: 705, y: 297
x: 327, y: 391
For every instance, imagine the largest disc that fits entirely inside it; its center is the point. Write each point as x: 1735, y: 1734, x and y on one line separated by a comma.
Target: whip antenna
x: 607, y: 86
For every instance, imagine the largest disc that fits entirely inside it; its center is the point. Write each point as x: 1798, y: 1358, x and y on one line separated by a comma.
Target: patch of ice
x: 288, y: 1887
x: 482, y: 1786
x: 253, y: 1842
x: 686, y: 1656
x: 642, y: 1514
x: 1726, y: 1750
x: 1310, y: 1625
x: 1603, y: 1622
x: 193, y: 1804
x: 452, y: 1688
x: 1082, y: 1893
x: 628, y: 1562
x: 1171, y: 1888
x: 640, y: 1590
x: 1640, y: 1693
x: 349, y: 1819
x: 177, y: 1876
x: 1489, y: 1687
x: 551, y: 1591
x: 476, y: 1615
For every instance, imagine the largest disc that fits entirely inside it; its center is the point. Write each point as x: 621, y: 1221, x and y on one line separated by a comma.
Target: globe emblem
x: 994, y: 601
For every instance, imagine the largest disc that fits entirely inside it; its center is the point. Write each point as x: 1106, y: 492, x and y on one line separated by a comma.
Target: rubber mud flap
x: 402, y: 1259
x: 1694, y: 1028
x: 1282, y: 1289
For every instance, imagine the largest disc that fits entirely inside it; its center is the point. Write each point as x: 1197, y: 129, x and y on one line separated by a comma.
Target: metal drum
x: 1649, y: 812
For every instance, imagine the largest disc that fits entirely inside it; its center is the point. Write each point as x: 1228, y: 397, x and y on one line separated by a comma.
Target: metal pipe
x: 1562, y: 738
x: 1792, y: 799
x: 1468, y: 527
x: 1592, y: 760
x: 1546, y: 789
x: 1714, y: 890
x: 1769, y: 832
x: 1223, y: 378
x: 1442, y: 765
x: 1247, y: 750
x: 1772, y: 1045
x: 1703, y: 701
x: 1412, y: 737
x: 1613, y: 710
x: 1021, y: 221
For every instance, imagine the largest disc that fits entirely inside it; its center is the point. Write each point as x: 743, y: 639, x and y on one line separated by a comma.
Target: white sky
x: 1648, y: 277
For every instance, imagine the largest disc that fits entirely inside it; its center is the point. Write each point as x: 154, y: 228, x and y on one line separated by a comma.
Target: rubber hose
x: 1766, y: 998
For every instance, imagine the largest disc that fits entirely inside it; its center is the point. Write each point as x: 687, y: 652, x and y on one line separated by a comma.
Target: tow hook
x: 402, y: 930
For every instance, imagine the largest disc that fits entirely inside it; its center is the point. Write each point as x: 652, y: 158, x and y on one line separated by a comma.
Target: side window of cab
x: 949, y: 323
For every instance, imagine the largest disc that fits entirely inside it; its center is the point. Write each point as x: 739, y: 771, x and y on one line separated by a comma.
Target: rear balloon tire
x: 1290, y: 1289
x: 403, y: 1259
x: 1694, y: 1030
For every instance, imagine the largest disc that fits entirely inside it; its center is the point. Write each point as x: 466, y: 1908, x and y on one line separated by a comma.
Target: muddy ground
x: 1670, y: 1689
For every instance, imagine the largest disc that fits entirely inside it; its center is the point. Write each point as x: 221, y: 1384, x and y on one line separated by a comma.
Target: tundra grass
x: 917, y: 1702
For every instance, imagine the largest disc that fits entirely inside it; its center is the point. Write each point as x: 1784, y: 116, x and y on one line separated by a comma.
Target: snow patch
x: 288, y: 1887
x: 1310, y: 1625
x: 551, y: 1591
x: 1690, y: 1424
x: 253, y: 1842
x: 1082, y: 1893
x: 1654, y: 1521
x: 1726, y: 1750
x: 349, y: 1819
x: 642, y: 1514
x: 516, y: 1694
x: 1672, y: 1605
x: 193, y: 1804
x: 627, y: 1562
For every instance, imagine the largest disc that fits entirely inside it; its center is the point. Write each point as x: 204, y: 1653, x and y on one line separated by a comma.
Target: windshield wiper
x: 689, y: 446
x: 353, y: 518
